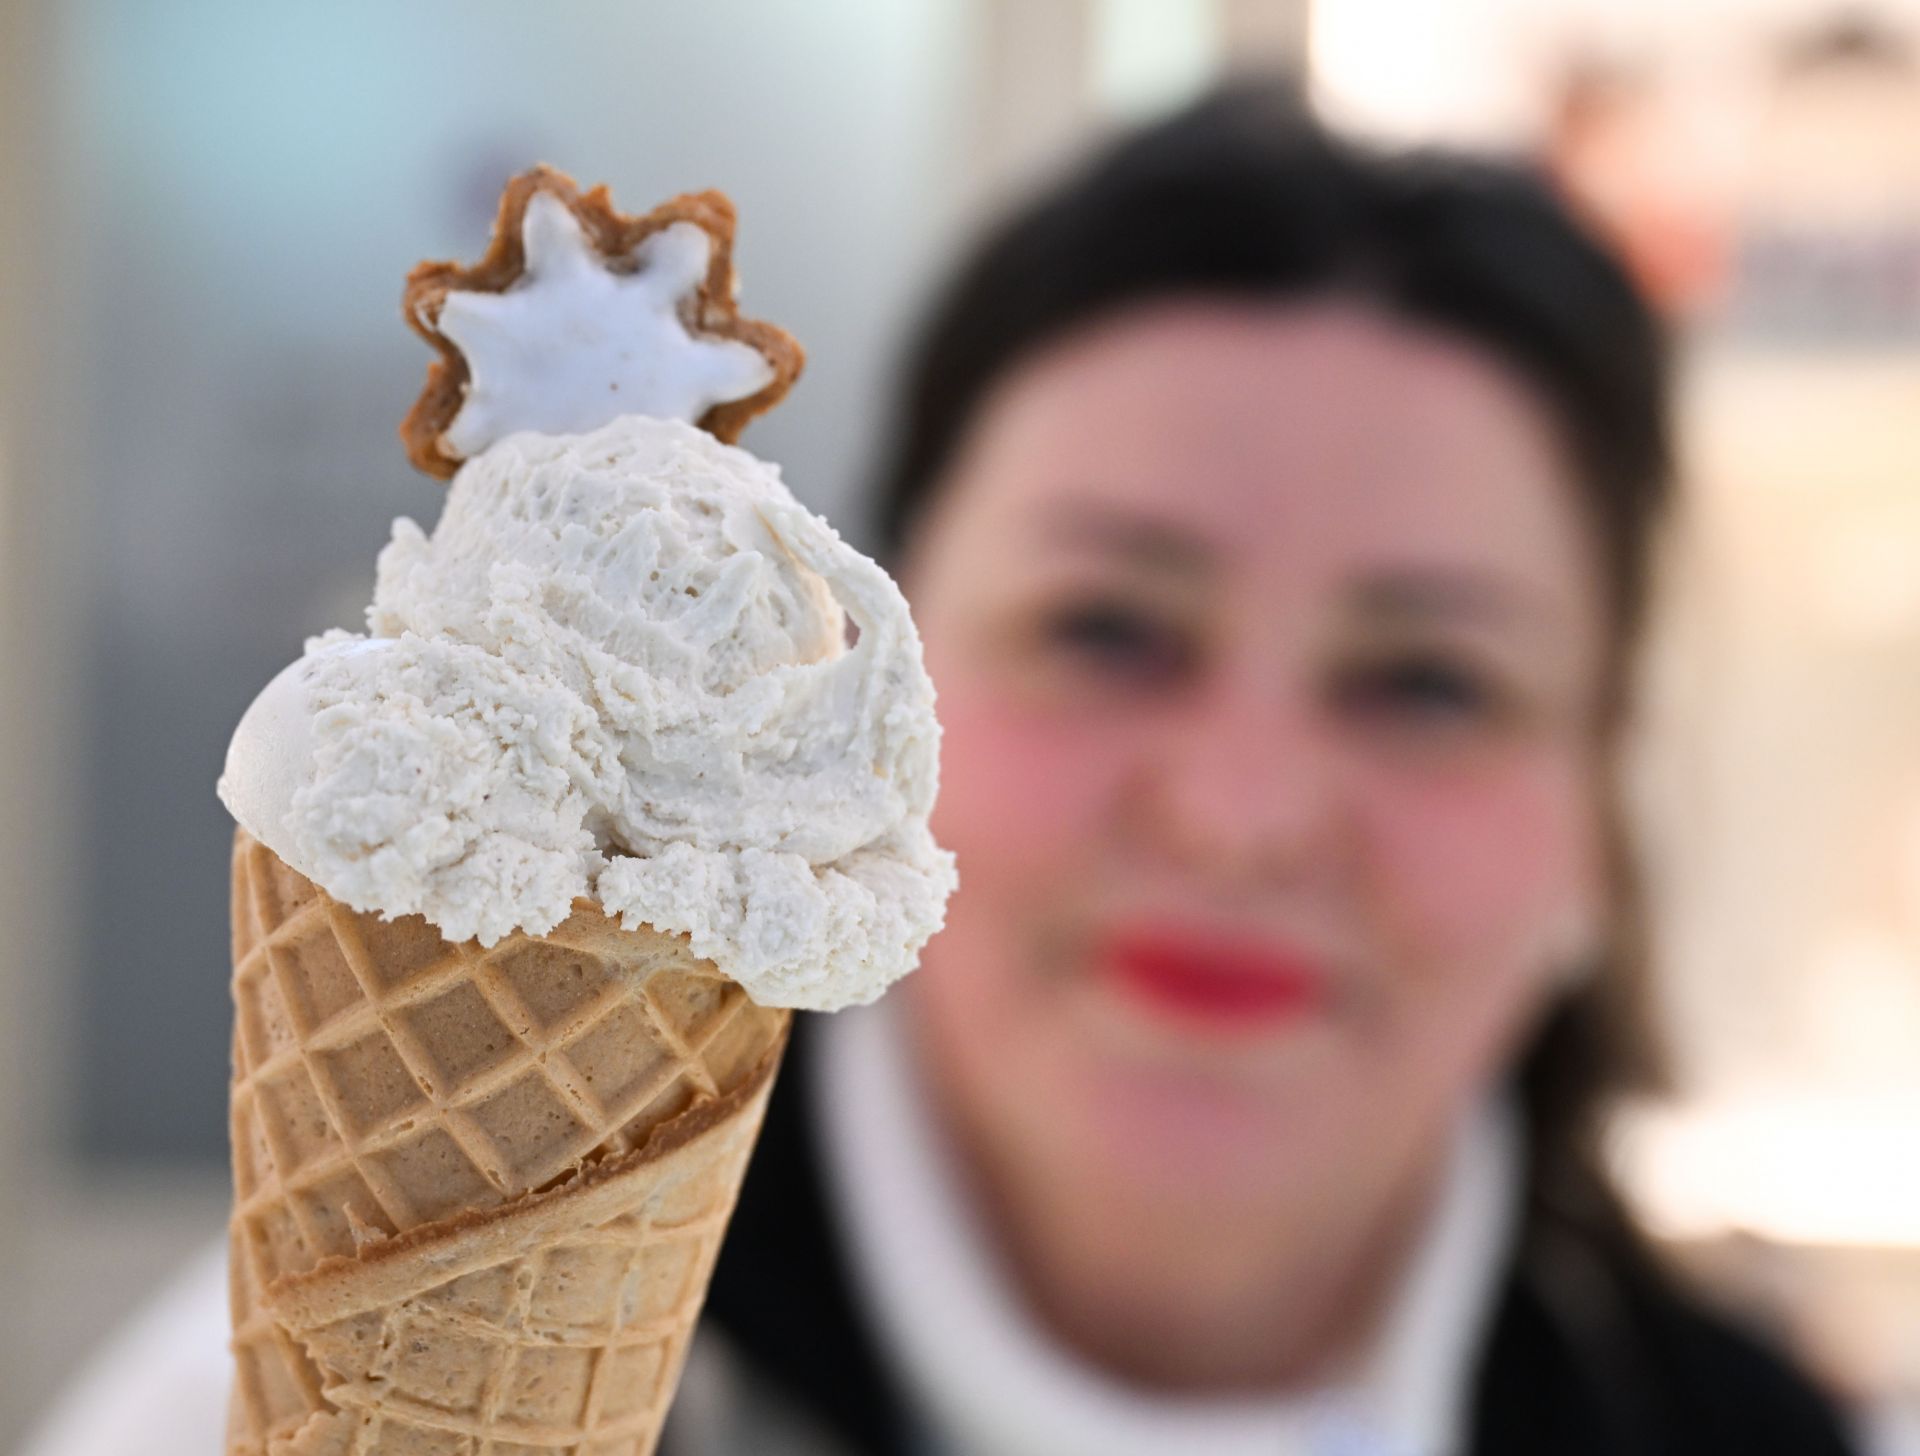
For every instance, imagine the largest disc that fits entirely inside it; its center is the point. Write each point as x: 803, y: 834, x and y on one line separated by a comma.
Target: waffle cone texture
x: 478, y: 1194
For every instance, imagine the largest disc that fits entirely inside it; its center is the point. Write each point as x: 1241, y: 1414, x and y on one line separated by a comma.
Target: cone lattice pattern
x: 478, y: 1194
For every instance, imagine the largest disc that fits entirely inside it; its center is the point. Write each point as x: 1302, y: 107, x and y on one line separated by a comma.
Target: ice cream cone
x: 478, y: 1193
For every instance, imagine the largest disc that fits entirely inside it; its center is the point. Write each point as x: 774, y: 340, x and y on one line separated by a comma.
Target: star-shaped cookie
x: 578, y: 314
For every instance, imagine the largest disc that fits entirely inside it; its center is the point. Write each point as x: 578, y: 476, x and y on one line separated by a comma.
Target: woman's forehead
x: 1278, y: 435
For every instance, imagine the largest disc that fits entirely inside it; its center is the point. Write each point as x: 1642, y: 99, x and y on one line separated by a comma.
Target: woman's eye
x: 1118, y: 638
x: 1418, y: 690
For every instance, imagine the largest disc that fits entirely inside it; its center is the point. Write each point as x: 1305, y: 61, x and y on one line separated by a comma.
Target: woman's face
x: 1268, y: 641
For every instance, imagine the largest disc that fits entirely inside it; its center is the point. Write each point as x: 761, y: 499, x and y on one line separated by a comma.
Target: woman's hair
x: 1245, y: 196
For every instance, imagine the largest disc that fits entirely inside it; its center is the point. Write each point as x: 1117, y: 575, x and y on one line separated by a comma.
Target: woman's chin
x: 1192, y: 1112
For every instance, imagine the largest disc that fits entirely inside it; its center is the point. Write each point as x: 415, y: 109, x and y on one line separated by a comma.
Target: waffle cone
x: 478, y: 1193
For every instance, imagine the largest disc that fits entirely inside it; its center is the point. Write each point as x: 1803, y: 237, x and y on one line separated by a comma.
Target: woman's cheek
x: 1476, y: 862
x: 1022, y: 797
x: 1023, y: 791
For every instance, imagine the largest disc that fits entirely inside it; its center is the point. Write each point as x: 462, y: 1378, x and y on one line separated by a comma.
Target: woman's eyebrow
x: 1427, y: 593
x: 1145, y: 540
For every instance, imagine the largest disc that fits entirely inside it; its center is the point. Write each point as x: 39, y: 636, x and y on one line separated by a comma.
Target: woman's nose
x: 1242, y: 785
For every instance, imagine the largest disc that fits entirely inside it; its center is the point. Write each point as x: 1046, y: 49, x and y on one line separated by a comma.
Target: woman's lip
x: 1224, y: 981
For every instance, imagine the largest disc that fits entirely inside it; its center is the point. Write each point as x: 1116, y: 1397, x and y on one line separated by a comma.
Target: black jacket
x: 1592, y: 1353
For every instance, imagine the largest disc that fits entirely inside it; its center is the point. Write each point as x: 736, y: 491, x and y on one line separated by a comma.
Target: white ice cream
x: 619, y: 669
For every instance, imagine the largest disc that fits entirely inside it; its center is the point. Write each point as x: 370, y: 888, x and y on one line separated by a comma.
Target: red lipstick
x: 1225, y: 982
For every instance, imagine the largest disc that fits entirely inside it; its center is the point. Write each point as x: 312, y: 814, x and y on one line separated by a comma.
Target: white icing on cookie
x: 572, y: 345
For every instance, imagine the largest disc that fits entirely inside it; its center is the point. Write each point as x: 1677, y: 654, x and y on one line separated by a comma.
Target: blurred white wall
x: 34, y: 713
x: 1471, y: 70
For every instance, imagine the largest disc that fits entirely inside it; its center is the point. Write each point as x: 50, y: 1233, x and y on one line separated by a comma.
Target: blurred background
x: 210, y: 205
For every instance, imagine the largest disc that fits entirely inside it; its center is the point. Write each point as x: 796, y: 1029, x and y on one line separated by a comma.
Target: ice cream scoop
x: 619, y: 669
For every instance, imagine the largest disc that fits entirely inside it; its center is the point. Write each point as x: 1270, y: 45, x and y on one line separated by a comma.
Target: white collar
x: 995, y: 1385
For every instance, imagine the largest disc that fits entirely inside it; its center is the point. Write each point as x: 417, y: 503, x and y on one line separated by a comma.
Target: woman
x: 1277, y: 517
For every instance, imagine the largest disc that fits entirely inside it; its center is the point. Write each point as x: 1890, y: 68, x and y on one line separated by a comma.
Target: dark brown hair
x: 1245, y: 195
